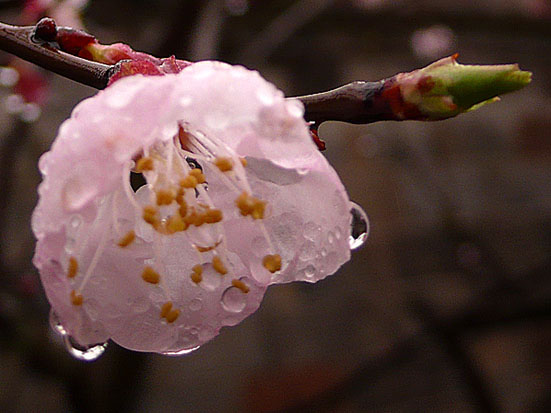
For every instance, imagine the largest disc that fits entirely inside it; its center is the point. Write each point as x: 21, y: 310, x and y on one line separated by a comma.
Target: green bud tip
x: 446, y: 88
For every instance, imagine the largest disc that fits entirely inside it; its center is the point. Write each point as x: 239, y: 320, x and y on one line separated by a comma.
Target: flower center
x: 179, y: 203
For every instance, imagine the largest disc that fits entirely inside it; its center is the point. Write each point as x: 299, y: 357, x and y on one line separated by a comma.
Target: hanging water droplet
x: 180, y: 352
x: 56, y: 325
x: 82, y: 352
x: 234, y: 300
x: 359, y: 228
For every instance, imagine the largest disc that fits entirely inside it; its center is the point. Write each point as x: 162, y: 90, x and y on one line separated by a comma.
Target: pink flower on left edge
x: 238, y: 197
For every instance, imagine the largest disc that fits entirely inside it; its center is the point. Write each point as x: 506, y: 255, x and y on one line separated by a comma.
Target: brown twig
x: 18, y: 40
x: 350, y: 103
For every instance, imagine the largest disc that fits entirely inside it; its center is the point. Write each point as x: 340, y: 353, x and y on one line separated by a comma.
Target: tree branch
x: 19, y: 40
x: 441, y: 90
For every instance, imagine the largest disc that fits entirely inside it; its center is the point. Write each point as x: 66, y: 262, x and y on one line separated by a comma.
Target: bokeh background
x: 447, y: 308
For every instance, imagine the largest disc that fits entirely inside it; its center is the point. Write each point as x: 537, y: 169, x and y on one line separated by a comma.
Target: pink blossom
x: 164, y: 268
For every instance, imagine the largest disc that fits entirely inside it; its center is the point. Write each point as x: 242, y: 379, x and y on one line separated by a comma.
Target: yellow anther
x: 243, y: 162
x: 76, y: 299
x: 249, y: 205
x: 144, y: 164
x: 244, y: 204
x: 127, y: 239
x: 258, y: 209
x: 212, y: 216
x: 223, y: 163
x: 198, y: 174
x: 150, y: 215
x: 219, y: 266
x: 166, y: 308
x: 73, y: 267
x: 180, y: 197
x: 165, y: 197
x: 241, y: 285
x: 172, y: 316
x: 183, y: 209
x: 150, y: 275
x: 175, y: 223
x: 194, y: 218
x: 197, y: 274
x: 189, y: 181
x: 272, y: 262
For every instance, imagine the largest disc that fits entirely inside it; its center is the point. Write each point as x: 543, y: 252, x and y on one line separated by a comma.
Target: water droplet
x: 323, y: 252
x: 330, y: 237
x: 56, y: 325
x: 75, y: 221
x: 359, y: 229
x: 83, y: 353
x: 338, y: 233
x: 309, y: 271
x: 303, y: 171
x: 234, y: 300
x: 195, y: 304
x: 311, y: 231
x: 180, y: 352
x: 211, y: 279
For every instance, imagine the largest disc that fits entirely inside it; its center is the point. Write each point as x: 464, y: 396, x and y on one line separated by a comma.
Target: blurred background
x: 447, y: 307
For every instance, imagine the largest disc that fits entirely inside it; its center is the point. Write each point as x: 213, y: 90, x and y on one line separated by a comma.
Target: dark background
x: 448, y: 306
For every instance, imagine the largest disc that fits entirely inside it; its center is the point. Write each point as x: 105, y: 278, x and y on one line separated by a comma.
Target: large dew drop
x: 359, y: 228
x: 83, y: 353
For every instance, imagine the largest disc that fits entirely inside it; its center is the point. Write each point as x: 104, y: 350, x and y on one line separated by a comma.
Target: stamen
x: 241, y: 285
x: 189, y: 181
x: 73, y: 267
x: 272, y: 262
x: 198, y: 174
x: 243, y: 162
x: 219, y: 266
x: 144, y: 164
x: 249, y: 205
x: 172, y: 316
x: 165, y: 309
x: 224, y: 164
x: 165, y: 197
x: 197, y: 274
x: 151, y: 215
x: 150, y: 275
x: 127, y: 239
x: 76, y: 299
x: 175, y: 223
x: 212, y: 216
